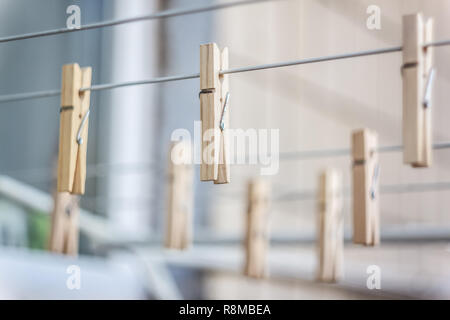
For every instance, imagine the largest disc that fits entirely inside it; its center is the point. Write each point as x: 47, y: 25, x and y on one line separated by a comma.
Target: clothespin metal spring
x: 225, y: 107
x: 428, y: 88
x: 82, y: 125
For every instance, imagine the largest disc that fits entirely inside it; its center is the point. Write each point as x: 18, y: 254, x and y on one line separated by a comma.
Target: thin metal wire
x: 159, y: 15
x: 108, y: 86
x: 384, y: 189
x: 327, y: 153
x: 313, y: 60
x: 437, y: 43
x: 28, y: 96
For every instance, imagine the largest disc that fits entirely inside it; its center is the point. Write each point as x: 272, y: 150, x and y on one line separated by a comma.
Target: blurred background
x: 315, y: 107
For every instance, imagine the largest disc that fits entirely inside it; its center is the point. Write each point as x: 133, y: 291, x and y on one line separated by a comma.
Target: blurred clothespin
x: 330, y: 220
x: 64, y: 231
x: 366, y: 172
x: 256, y: 238
x: 214, y: 114
x: 73, y: 132
x: 180, y: 201
x: 418, y: 74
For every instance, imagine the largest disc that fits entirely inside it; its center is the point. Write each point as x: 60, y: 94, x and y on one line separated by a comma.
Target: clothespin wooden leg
x: 180, y: 198
x: 73, y: 132
x: 214, y: 113
x: 366, y: 172
x: 417, y: 73
x: 256, y: 237
x: 64, y: 232
x: 330, y: 220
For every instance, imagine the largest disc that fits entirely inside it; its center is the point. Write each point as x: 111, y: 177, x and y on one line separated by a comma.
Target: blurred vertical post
x: 330, y: 226
x: 256, y: 243
x: 180, y: 197
x: 128, y: 133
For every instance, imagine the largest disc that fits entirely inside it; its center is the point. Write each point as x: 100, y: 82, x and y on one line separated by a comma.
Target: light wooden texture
x: 64, y: 230
x: 74, y: 106
x: 209, y: 66
x: 70, y: 103
x: 210, y: 117
x: 256, y: 243
x: 80, y: 169
x: 365, y: 187
x: 215, y: 146
x: 224, y: 161
x: 417, y: 64
x: 180, y: 199
x: 330, y: 226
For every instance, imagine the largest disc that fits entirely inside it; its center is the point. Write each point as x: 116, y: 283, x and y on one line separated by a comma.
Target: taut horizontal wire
x: 384, y: 189
x: 326, y: 153
x: 313, y: 60
x: 159, y: 15
x: 107, y: 86
x: 244, y: 69
x: 28, y: 96
x: 437, y: 43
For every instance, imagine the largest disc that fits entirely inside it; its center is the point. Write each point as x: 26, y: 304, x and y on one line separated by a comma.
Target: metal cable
x: 159, y: 15
x: 28, y: 96
x: 384, y: 189
x: 107, y: 86
x: 312, y: 60
x: 326, y: 153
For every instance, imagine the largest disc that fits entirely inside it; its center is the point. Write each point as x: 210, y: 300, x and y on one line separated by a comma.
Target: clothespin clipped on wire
x: 64, y: 230
x: 73, y: 131
x: 366, y: 172
x: 214, y: 114
x: 330, y: 226
x: 180, y: 197
x: 418, y: 74
x: 256, y: 243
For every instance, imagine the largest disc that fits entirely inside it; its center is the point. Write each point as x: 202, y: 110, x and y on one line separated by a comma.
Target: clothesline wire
x: 154, y: 16
x: 100, y: 169
x: 384, y: 189
x: 324, y: 153
x: 108, y: 86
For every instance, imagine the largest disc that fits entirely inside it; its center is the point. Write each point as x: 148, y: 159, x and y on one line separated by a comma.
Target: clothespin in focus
x: 256, y: 238
x: 366, y: 172
x: 73, y: 131
x: 418, y: 74
x: 330, y: 220
x: 180, y: 201
x: 64, y: 231
x: 214, y: 114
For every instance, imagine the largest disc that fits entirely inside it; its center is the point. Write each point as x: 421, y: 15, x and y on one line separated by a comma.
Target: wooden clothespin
x: 418, y: 74
x: 180, y: 201
x: 73, y: 131
x: 214, y: 114
x: 366, y: 172
x: 64, y: 231
x: 256, y: 238
x: 330, y: 236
